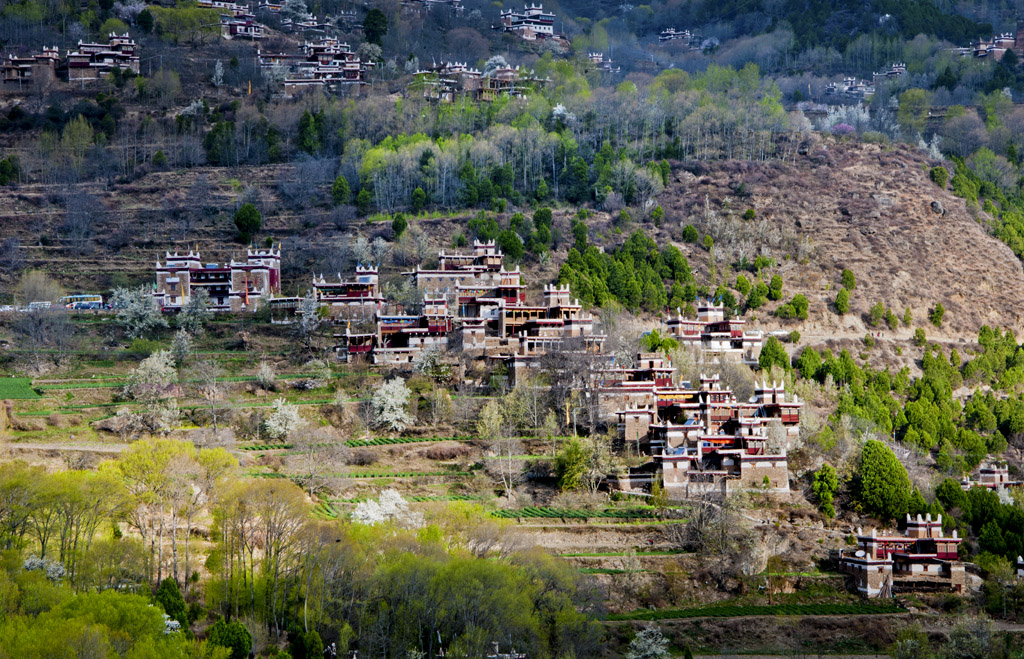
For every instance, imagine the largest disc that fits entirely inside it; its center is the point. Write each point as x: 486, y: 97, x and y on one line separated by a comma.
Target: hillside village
x: 465, y: 329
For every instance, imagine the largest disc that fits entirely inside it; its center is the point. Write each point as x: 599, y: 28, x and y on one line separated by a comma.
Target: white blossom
x: 390, y: 507
x: 137, y: 311
x: 284, y: 420
x: 54, y: 570
x: 150, y: 380
x: 391, y: 406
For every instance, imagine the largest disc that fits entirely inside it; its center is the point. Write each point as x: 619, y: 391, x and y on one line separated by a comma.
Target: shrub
x: 340, y: 191
x: 419, y: 199
x: 869, y: 340
x: 363, y: 201
x: 843, y: 301
x: 938, y: 311
x: 657, y: 215
x: 160, y: 160
x: 884, y: 488
x: 399, y: 225
x: 248, y: 221
x: 742, y: 285
x: 919, y: 337
x: 849, y: 280
x: 773, y: 354
x: 890, y: 319
x: 748, y: 214
x: 907, y: 317
x: 709, y: 242
x: 775, y: 288
x: 876, y: 314
x: 690, y: 234
x: 939, y: 176
x: 794, y: 337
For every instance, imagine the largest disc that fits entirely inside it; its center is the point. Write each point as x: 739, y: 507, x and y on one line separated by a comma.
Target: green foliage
x: 10, y: 170
x: 825, y: 486
x: 364, y: 201
x: 849, y: 281
x: 419, y: 200
x: 511, y: 244
x: 808, y: 363
x: 657, y: 215
x: 795, y: 308
x: 908, y: 318
x: 884, y: 487
x: 169, y: 597
x: 708, y: 242
x: 919, y: 337
x: 653, y: 341
x: 758, y: 296
x: 690, y: 234
x: 773, y: 353
x: 939, y: 175
x: 375, y: 26
x: 936, y: 315
x: 399, y: 224
x: 308, y: 138
x: 17, y: 388
x: 742, y: 285
x: 231, y: 635
x: 571, y: 465
x: 775, y: 288
x: 748, y: 214
x: 247, y: 221
x: 843, y: 301
x: 635, y: 275
x: 341, y: 193
x: 876, y: 314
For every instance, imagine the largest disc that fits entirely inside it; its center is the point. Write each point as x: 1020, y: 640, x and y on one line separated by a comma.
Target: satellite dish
x: 860, y: 553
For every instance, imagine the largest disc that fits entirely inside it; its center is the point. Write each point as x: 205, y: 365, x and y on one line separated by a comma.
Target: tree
x: 309, y: 321
x: 884, y: 486
x: 248, y: 221
x: 690, y: 234
x: 419, y: 200
x: 137, y: 311
x: 195, y: 313
x: 843, y: 301
x: 363, y: 201
x: 773, y: 353
x: 308, y: 138
x: 151, y: 379
x: 826, y: 484
x: 341, y: 193
x: 317, y: 457
x: 912, y: 114
x: 571, y: 465
x: 204, y: 376
x: 399, y: 225
x: 36, y: 286
x: 169, y: 597
x: 775, y: 288
x: 375, y: 26
x: 231, y: 635
x: 390, y: 406
x: 649, y: 643
x: 849, y: 279
x: 936, y: 315
x: 284, y: 420
x: 493, y: 426
x: 876, y: 314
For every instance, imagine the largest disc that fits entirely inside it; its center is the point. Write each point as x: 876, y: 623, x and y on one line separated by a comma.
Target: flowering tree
x: 390, y: 405
x: 284, y: 420
x: 390, y: 507
x: 137, y: 311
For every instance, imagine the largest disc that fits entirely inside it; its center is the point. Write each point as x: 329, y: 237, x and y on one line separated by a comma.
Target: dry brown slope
x: 869, y: 209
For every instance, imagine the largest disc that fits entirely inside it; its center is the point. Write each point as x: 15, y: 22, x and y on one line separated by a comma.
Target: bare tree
x: 11, y: 258
x: 204, y: 381
x: 504, y: 445
x: 318, y: 455
x: 81, y: 211
x: 42, y: 330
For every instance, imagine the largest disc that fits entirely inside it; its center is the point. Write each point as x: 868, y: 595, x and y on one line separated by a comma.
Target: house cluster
x: 89, y: 61
x: 327, y: 64
x: 232, y: 286
x: 671, y: 34
x: 421, y: 6
x: 602, y: 63
x: 923, y: 559
x: 450, y: 80
x: 530, y: 24
x: 993, y: 476
x: 851, y: 87
x: 470, y: 296
x: 716, y: 335
x: 701, y: 439
x: 997, y: 46
x: 236, y: 20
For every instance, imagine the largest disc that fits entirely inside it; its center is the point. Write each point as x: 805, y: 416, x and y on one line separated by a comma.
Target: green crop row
x: 419, y: 498
x: 387, y: 441
x: 17, y: 388
x: 574, y: 513
x: 366, y: 474
x: 263, y: 447
x: 781, y: 609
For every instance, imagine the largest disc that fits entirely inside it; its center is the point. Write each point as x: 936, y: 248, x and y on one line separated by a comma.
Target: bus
x: 81, y: 301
